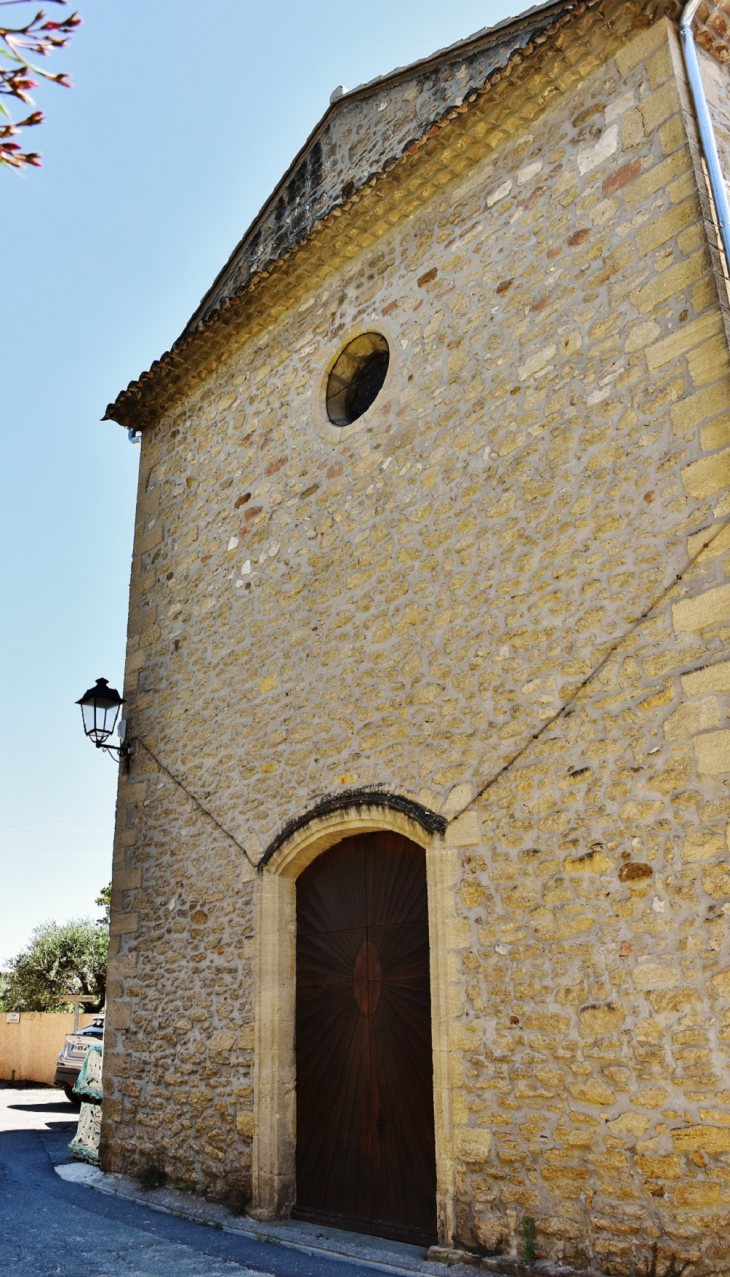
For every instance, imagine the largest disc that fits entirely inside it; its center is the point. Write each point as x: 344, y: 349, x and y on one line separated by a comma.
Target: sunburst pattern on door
x: 365, y: 1128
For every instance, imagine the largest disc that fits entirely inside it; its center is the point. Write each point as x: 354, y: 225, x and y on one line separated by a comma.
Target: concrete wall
x: 494, y: 596
x: 30, y: 1048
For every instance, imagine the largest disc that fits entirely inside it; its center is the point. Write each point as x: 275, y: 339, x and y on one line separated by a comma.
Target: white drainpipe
x: 704, y: 124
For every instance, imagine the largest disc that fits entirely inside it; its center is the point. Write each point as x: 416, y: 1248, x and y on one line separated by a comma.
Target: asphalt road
x: 51, y: 1228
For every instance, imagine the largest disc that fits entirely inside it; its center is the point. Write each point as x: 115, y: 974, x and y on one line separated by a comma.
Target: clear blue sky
x: 183, y: 115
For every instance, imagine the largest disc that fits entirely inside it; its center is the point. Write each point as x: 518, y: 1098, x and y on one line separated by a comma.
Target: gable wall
x: 361, y: 136
x: 407, y: 605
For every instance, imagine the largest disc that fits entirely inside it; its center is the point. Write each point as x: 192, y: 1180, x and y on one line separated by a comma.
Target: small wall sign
x: 13, y: 1017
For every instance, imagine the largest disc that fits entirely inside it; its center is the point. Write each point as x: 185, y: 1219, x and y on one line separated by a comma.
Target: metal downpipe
x: 704, y: 124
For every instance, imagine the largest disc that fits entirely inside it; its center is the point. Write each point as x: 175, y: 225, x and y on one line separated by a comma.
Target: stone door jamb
x: 274, y: 1146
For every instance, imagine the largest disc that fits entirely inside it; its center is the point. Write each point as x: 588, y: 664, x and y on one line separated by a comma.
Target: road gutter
x: 350, y: 1248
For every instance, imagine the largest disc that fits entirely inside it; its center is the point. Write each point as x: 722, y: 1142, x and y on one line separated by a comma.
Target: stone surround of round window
x: 357, y: 378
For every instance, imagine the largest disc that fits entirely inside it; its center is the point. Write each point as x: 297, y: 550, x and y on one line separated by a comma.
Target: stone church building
x: 421, y: 886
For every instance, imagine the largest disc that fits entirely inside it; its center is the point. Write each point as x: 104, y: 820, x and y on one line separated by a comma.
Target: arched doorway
x: 364, y: 1066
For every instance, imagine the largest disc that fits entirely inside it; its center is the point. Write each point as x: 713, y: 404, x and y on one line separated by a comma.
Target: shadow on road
x: 49, y: 1225
x: 53, y: 1106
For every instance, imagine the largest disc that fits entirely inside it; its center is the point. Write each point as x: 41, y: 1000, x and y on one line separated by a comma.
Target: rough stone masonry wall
x: 500, y: 548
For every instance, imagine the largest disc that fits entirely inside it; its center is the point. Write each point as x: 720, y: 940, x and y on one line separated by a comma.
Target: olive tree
x: 61, y: 960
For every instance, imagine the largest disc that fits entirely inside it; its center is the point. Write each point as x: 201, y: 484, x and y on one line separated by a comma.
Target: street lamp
x: 100, y: 708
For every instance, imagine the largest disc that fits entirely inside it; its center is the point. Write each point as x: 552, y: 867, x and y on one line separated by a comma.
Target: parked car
x: 73, y: 1055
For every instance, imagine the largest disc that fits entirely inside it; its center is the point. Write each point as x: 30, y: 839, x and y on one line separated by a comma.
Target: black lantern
x: 100, y: 708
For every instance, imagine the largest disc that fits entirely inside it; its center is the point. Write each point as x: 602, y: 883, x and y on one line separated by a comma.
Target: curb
x: 217, y: 1216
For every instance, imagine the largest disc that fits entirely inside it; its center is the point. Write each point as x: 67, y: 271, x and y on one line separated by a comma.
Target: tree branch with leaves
x: 61, y: 961
x: 37, y: 38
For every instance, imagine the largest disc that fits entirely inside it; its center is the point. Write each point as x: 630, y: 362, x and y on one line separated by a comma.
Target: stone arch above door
x: 274, y: 1152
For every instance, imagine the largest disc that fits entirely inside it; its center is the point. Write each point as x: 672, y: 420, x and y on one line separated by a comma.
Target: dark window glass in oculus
x: 357, y: 378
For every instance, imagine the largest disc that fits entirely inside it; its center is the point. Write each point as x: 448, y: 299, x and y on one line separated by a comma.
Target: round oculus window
x: 357, y: 378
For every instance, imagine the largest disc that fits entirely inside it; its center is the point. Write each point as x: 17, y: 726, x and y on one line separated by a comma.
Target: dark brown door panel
x: 365, y: 1133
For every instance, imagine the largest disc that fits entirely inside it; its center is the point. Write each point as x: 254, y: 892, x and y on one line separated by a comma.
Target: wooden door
x: 365, y: 1131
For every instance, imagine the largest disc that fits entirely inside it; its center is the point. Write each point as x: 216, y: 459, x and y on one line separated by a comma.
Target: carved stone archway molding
x: 274, y: 1149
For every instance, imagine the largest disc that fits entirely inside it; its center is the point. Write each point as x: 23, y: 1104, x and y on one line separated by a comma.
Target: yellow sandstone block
x: 707, y: 475
x: 127, y: 879
x: 665, y: 697
x: 656, y: 178
x: 148, y: 502
x: 706, y: 1139
x: 245, y: 1123
x: 705, y: 403
x: 660, y: 67
x: 132, y: 793
x: 708, y: 543
x: 709, y: 362
x: 642, y: 335
x: 459, y: 933
x: 658, y: 106
x: 123, y: 924
x: 672, y: 135
x: 692, y: 718
x: 721, y: 983
x: 472, y: 1144
x: 689, y: 335
x: 669, y: 1001
x: 641, y: 809
x: 715, y: 1115
x: 464, y: 831
x: 123, y: 966
x: 119, y: 1015
x: 630, y: 1124
x: 650, y: 1097
x: 669, y: 1167
x: 710, y: 608
x: 547, y: 1022
x: 149, y: 540
x: 700, y: 1193
x: 221, y: 1041
x: 464, y: 1037
x: 597, y: 1021
x: 712, y: 752
x: 648, y: 975
x: 111, y: 1109
x: 458, y: 798
x: 593, y: 862
x: 135, y: 661
x: 702, y: 846
x: 716, y: 434
x: 632, y: 129
x: 593, y: 1091
x: 712, y: 678
x: 641, y: 48
x: 666, y: 226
